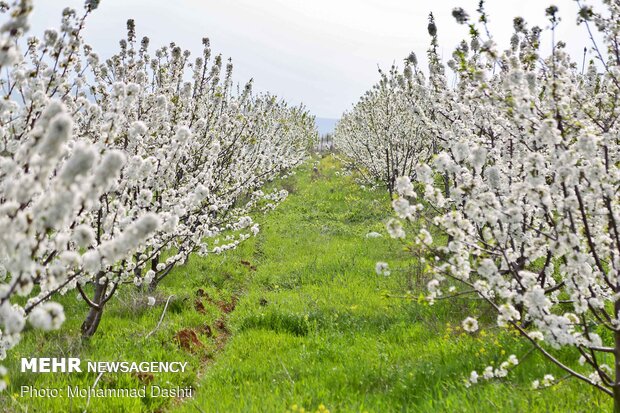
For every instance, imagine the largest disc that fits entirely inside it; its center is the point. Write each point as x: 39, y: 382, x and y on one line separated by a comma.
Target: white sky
x: 323, y: 53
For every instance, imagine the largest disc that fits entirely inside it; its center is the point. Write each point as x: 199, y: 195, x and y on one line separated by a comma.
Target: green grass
x: 312, y: 326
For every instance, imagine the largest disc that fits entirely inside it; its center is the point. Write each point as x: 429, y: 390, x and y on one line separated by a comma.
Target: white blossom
x: 47, y: 316
x: 470, y: 324
x: 395, y: 229
x: 382, y: 268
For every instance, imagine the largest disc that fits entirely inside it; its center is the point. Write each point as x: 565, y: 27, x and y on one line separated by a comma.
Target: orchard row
x: 112, y: 172
x: 506, y: 183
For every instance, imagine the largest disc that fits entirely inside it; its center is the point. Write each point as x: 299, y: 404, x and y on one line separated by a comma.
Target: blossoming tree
x: 529, y: 204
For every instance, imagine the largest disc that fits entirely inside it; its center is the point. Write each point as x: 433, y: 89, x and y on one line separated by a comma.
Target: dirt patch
x: 206, y: 330
x: 220, y: 324
x: 145, y: 378
x: 248, y: 265
x: 199, y: 306
x: 188, y: 340
x: 228, y: 307
x: 216, y: 334
x: 223, y: 336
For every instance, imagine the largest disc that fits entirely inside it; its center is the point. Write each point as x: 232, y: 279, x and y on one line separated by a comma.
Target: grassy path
x: 313, y: 328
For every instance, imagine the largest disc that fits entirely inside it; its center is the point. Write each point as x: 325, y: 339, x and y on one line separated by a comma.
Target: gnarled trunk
x: 91, y: 323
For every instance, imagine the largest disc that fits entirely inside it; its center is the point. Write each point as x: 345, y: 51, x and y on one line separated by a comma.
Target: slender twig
x: 160, y: 318
x: 93, y: 388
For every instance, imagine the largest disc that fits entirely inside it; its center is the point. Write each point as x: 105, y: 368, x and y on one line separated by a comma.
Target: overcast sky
x: 323, y: 53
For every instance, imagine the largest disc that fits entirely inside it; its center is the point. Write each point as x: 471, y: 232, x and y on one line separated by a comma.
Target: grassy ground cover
x: 297, y: 320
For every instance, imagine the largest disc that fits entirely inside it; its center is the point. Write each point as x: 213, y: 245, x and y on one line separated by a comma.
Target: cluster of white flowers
x: 520, y: 175
x: 491, y: 372
x: 107, y: 165
x: 382, y: 268
x: 547, y: 381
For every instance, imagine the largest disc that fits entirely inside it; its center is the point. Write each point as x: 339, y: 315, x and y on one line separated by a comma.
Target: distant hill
x: 326, y: 125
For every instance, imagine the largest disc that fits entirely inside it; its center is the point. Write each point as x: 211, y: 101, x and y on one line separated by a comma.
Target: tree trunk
x: 153, y: 285
x: 616, y: 387
x: 446, y: 185
x: 616, y: 397
x: 91, y: 323
x: 155, y: 280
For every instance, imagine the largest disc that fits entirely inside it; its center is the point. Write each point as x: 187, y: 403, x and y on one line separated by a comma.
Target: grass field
x: 296, y: 319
